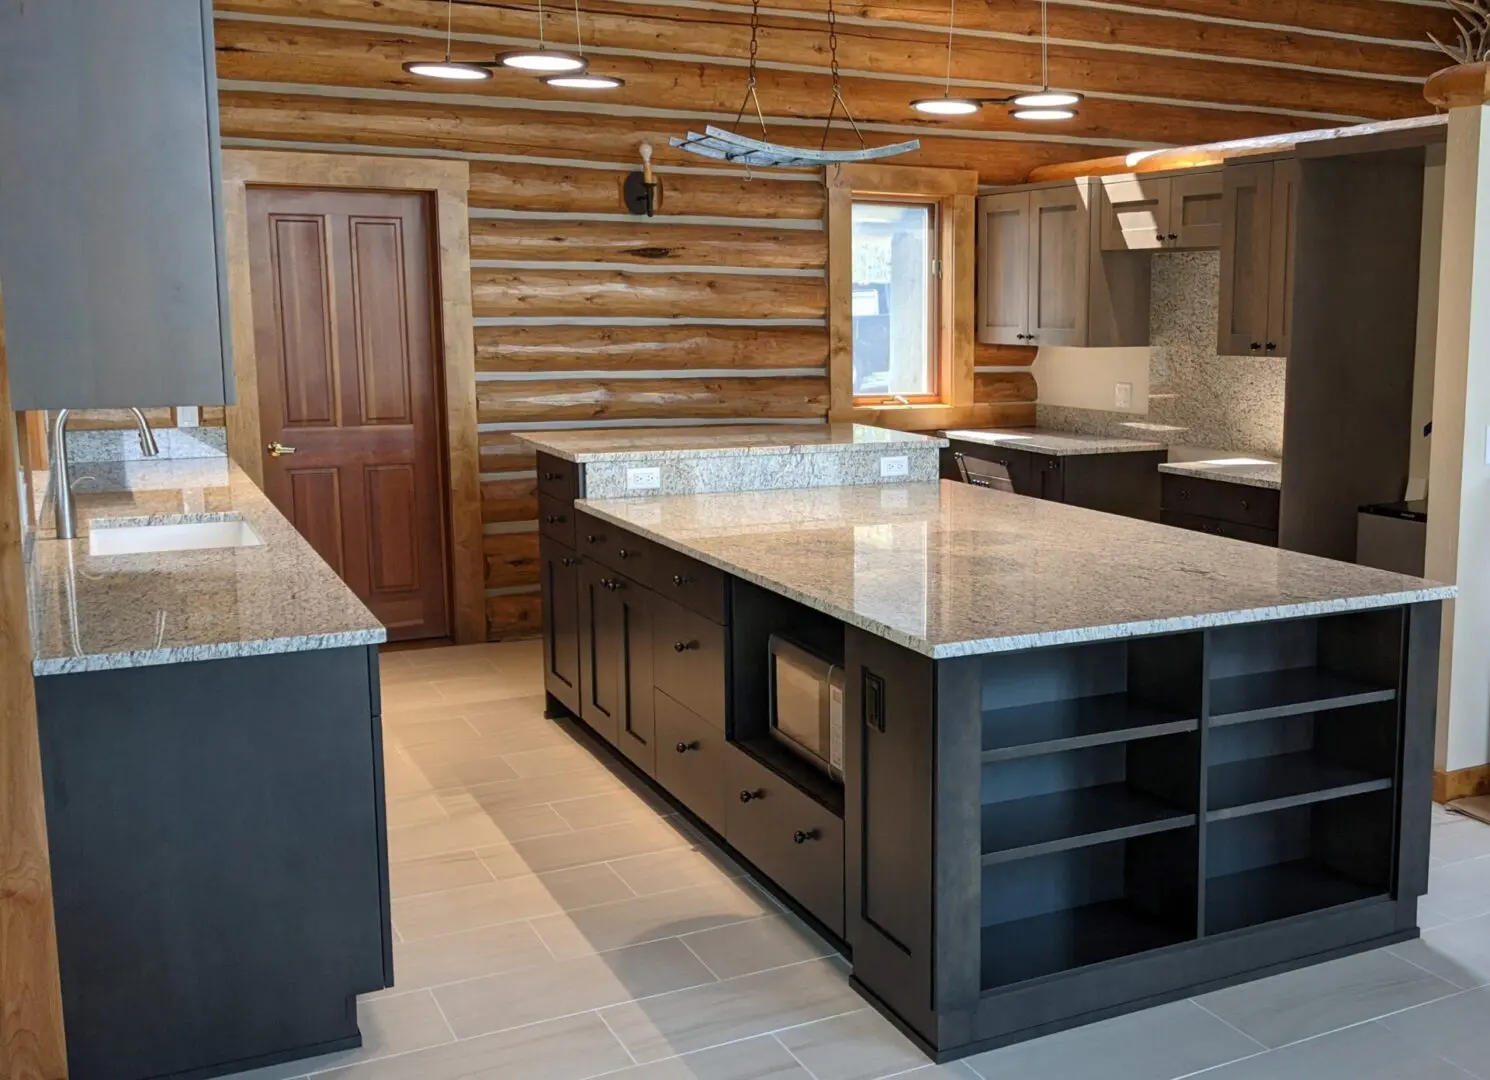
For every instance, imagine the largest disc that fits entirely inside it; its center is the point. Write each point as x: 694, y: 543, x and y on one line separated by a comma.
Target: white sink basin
x: 177, y: 536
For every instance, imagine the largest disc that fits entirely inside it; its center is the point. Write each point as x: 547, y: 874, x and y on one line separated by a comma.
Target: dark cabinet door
x: 636, y: 723
x: 1246, y: 269
x: 601, y: 648
x: 561, y: 644
x: 1016, y: 462
x: 1047, y: 478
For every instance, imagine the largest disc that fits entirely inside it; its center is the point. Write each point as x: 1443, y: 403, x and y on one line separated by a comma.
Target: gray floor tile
x: 859, y: 1046
x: 415, y: 877
x: 761, y: 1058
x: 1459, y: 890
x: 498, y: 1002
x: 678, y: 868
x: 570, y: 1049
x: 1156, y: 1044
x: 650, y: 918
x: 1456, y: 1029
x: 1458, y: 952
x: 1365, y: 1052
x: 1311, y: 1001
x: 738, y: 1009
x: 1458, y: 840
x: 582, y: 848
x: 487, y: 951
x: 506, y: 900
x: 746, y: 947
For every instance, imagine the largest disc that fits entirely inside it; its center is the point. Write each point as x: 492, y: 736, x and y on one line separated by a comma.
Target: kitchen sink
x: 105, y: 539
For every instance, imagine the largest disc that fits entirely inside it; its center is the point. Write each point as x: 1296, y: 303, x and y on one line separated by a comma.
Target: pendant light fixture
x: 543, y: 60
x: 1048, y: 104
x: 447, y: 68
x: 583, y: 79
x: 947, y: 105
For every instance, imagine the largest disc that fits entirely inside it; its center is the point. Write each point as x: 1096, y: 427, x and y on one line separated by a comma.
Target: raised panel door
x: 1195, y: 210
x: 602, y: 648
x: 1285, y: 205
x: 635, y: 724
x: 344, y: 328
x: 1135, y: 212
x: 561, y: 635
x: 1060, y: 265
x: 1246, y: 234
x: 1003, y: 268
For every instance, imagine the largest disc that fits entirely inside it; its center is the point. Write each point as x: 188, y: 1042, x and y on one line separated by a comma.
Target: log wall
x: 714, y: 310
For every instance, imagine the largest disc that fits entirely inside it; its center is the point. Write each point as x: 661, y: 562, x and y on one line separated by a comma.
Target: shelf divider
x: 1262, y: 785
x: 1080, y: 817
x: 1024, y: 949
x: 1272, y: 694
x: 1073, y: 724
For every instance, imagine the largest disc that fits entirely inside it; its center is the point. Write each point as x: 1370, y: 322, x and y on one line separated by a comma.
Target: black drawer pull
x: 1174, y: 236
x: 1244, y: 504
x: 1255, y: 345
x: 681, y: 579
x: 554, y: 519
x: 800, y: 837
x: 684, y: 646
x: 553, y: 476
x: 746, y: 796
x: 592, y: 538
x: 567, y: 561
x: 1184, y: 493
x: 1271, y: 345
x: 610, y: 583
x: 684, y: 747
x: 626, y: 553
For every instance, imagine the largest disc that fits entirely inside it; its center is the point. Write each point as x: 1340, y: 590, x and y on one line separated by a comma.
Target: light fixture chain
x: 833, y: 46
x: 449, y: 27
x: 579, y: 40
x: 951, y: 24
x: 541, y: 43
x: 1045, y: 44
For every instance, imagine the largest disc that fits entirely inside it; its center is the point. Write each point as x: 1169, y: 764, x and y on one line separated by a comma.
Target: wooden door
x: 561, y: 623
x: 1195, y: 210
x: 344, y: 330
x: 1284, y: 231
x: 1135, y: 213
x: 1060, y: 265
x: 602, y: 648
x: 1246, y: 235
x: 1003, y: 268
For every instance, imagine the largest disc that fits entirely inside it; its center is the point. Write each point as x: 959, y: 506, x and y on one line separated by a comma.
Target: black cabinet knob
x: 610, y: 583
x: 1271, y: 345
x: 680, y: 580
x: 567, y: 561
x: 800, y: 837
x: 746, y: 796
x: 591, y: 538
x: 553, y: 476
x: 554, y: 519
x: 625, y: 553
x: 684, y: 747
x: 1184, y: 493
x: 1244, y: 504
x: 1174, y: 236
x: 1255, y: 345
x: 684, y: 646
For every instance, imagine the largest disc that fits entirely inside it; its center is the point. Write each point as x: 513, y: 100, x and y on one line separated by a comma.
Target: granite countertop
x: 1056, y: 443
x: 91, y: 613
x: 950, y: 569
x: 659, y: 444
x: 1253, y: 472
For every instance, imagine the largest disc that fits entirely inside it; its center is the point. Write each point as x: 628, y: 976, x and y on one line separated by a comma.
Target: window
x: 896, y: 282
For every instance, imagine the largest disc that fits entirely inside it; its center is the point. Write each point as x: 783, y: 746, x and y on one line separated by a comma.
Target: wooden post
x: 31, y: 1040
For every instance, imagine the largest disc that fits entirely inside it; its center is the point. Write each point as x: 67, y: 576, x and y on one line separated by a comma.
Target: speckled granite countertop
x: 644, y: 444
x: 1239, y: 470
x: 92, y: 613
x: 1055, y: 443
x: 953, y: 570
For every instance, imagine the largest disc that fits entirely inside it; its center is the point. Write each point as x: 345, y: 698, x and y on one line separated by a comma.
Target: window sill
x: 936, y: 417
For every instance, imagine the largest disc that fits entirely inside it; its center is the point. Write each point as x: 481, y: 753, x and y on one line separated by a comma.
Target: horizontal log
x: 900, y: 51
x: 509, y: 500
x: 505, y: 186
x: 648, y: 242
x: 511, y: 559
x: 1404, y: 22
x: 788, y: 397
x: 501, y: 452
x: 983, y: 414
x: 1003, y: 355
x: 357, y: 58
x: 647, y: 348
x: 510, y: 618
x: 621, y: 294
x: 214, y: 416
x: 1003, y: 387
x: 425, y: 126
x: 118, y: 419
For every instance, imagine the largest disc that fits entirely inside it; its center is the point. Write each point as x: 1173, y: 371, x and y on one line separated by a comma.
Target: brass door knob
x: 280, y: 450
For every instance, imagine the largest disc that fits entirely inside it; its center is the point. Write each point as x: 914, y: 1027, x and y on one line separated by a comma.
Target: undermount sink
x: 173, y: 536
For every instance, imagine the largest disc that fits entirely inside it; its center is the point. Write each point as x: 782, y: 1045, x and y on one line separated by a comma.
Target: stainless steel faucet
x: 67, y: 524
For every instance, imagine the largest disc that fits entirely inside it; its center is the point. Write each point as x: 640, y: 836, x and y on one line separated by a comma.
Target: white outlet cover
x: 644, y: 479
x: 1123, y: 395
x: 898, y: 465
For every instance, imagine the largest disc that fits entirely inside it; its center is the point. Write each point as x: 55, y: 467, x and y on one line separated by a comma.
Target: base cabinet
x: 1119, y: 483
x: 616, y: 661
x: 1220, y: 508
x: 561, y: 652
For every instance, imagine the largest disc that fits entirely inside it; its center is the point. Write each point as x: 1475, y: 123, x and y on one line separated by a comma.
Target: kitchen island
x: 211, y: 751
x: 1091, y: 763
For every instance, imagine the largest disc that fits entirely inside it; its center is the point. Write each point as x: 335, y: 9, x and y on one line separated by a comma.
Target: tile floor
x: 555, y: 922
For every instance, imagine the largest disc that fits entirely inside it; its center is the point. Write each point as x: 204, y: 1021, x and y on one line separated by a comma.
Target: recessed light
x: 583, y: 82
x: 543, y: 59
x: 1047, y: 99
x: 448, y: 69
x: 946, y: 106
x: 1043, y: 114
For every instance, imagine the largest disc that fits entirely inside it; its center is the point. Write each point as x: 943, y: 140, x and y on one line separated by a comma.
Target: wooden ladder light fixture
x: 733, y: 147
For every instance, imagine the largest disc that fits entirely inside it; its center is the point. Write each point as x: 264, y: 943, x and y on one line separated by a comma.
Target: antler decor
x: 1473, y: 46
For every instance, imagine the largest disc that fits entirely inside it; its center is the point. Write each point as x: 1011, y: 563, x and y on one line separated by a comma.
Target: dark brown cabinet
x: 1258, y: 229
x: 691, y: 755
x: 616, y: 661
x: 560, y: 582
x: 1159, y: 212
x: 1116, y: 483
x: 1239, y: 511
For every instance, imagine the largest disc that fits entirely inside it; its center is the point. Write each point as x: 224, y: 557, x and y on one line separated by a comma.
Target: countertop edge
x: 1185, y: 468
x: 1035, y: 444
x: 146, y: 658
x: 586, y: 457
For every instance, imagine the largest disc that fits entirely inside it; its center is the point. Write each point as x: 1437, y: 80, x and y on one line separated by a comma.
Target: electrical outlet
x: 1122, y: 395
x: 891, y: 467
x: 644, y: 479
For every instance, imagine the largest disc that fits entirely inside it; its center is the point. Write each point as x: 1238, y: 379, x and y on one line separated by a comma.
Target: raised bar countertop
x: 1240, y: 469
x: 949, y: 569
x: 92, y: 613
x: 659, y: 444
x: 1055, y: 443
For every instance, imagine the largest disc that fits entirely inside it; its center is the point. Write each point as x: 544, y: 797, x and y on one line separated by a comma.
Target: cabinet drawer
x: 556, y: 519
x: 690, y: 659
x: 690, y: 760
x: 1237, y: 503
x: 558, y: 478
x: 794, y: 840
x: 624, y: 552
x: 1217, y: 527
x: 697, y: 586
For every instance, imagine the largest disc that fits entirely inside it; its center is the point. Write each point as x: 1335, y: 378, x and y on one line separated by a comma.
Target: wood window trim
x: 449, y: 182
x: 955, y: 192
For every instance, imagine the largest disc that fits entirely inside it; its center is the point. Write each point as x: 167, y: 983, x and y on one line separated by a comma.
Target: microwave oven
x: 807, y: 705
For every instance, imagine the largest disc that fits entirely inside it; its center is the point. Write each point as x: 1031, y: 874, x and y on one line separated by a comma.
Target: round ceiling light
x: 1047, y: 99
x: 448, y: 69
x: 946, y: 106
x: 544, y: 59
x: 1043, y: 114
x: 587, y: 81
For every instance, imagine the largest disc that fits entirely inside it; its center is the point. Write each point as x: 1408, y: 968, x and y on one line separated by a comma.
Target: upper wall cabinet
x: 1042, y: 280
x: 111, y: 241
x: 1156, y: 212
x: 1258, y: 227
